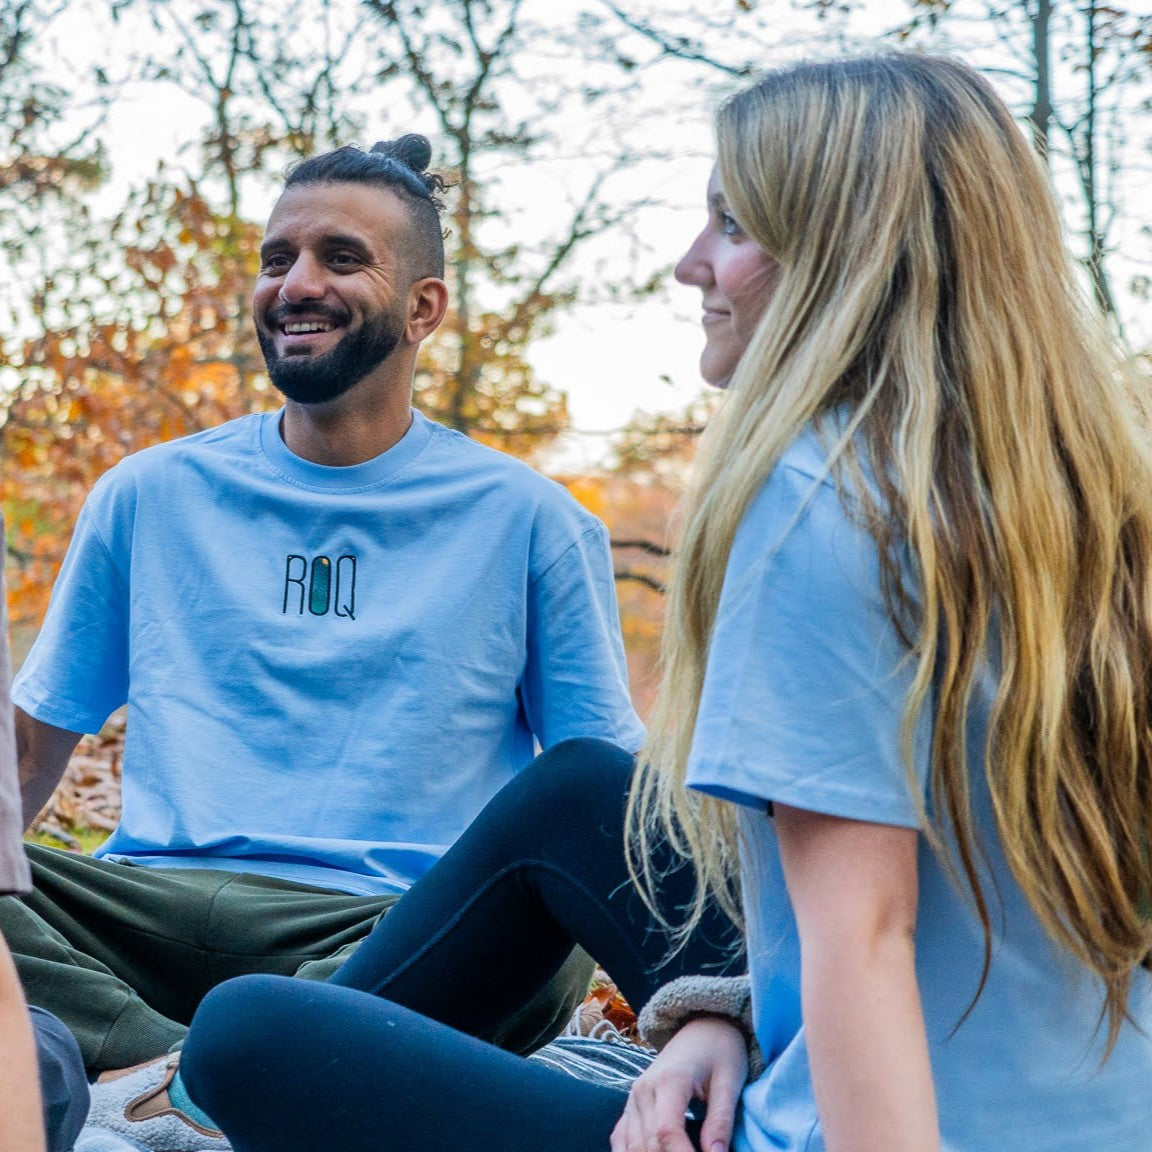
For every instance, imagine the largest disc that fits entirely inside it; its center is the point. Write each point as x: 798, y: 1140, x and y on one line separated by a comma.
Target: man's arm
x: 21, y: 1124
x: 576, y: 678
x: 42, y: 754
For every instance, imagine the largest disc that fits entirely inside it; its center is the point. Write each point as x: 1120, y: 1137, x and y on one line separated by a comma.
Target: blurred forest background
x: 562, y: 125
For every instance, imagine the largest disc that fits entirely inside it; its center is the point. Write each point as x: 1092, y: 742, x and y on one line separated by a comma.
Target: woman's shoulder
x: 808, y: 456
x: 806, y: 490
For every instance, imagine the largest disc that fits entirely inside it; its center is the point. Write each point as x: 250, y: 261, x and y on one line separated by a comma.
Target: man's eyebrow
x: 273, y: 245
x: 342, y: 240
x: 334, y: 240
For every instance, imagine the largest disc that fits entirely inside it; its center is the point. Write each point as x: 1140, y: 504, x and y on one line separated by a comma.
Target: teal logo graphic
x: 320, y: 585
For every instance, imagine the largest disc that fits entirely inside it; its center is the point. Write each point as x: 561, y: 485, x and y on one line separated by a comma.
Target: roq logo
x: 320, y: 585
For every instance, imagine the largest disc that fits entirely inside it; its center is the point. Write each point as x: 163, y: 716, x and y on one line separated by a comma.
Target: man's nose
x: 304, y: 280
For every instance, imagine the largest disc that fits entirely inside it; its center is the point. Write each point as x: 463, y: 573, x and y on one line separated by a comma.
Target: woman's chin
x: 714, y: 377
x: 719, y: 382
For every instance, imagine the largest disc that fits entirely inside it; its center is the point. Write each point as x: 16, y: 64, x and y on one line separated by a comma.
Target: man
x: 339, y: 629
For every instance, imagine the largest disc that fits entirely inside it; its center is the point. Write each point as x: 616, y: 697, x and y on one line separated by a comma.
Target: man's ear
x: 427, y: 303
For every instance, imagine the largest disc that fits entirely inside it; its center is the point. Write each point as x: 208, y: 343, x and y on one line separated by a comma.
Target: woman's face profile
x: 735, y: 277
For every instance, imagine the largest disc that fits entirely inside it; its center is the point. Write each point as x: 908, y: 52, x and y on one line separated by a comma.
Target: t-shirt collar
x: 354, y: 477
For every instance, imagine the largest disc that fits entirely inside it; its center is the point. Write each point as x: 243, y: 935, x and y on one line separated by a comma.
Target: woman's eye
x: 728, y: 225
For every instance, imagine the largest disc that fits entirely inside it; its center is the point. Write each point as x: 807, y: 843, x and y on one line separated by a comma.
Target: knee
x: 574, y: 771
x: 237, y: 1024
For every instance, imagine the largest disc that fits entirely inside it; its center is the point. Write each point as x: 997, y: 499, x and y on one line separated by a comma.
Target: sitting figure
x: 338, y: 628
x: 34, y: 1045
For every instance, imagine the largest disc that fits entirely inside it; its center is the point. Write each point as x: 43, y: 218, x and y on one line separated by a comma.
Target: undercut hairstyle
x: 400, y: 166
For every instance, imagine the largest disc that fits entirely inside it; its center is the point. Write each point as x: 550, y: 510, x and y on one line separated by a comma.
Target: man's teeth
x: 311, y: 326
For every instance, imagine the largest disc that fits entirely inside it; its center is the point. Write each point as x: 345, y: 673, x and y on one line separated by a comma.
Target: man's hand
x: 42, y: 752
x: 706, y: 1060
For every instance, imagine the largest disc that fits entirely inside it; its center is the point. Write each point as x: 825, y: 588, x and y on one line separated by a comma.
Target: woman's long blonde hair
x: 925, y: 288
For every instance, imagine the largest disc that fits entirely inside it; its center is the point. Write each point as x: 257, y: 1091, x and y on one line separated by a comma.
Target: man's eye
x: 275, y: 264
x: 343, y: 260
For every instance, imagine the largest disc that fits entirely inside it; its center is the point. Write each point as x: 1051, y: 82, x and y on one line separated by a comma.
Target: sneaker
x: 134, y: 1104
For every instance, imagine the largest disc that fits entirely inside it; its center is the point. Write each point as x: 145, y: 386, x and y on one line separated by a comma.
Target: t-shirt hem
x: 40, y: 707
x: 308, y: 875
x: 846, y: 803
x: 15, y: 885
x: 630, y: 744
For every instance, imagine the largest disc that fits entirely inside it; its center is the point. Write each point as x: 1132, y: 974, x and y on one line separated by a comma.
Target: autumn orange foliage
x: 605, y: 1002
x: 141, y: 340
x: 638, y: 514
x: 145, y: 336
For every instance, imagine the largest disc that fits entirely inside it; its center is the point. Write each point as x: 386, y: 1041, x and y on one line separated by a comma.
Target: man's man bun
x: 412, y: 150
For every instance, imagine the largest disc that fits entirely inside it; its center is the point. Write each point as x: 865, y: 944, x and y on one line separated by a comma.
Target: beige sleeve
x: 689, y: 997
x: 14, y: 875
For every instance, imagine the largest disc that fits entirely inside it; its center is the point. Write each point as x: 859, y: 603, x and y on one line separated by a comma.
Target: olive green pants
x: 123, y: 954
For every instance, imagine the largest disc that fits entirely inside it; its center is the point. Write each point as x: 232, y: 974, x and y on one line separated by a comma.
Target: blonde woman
x: 908, y: 646
x: 903, y: 732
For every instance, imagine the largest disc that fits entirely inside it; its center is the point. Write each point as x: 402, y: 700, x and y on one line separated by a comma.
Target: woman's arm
x: 21, y: 1125
x: 854, y: 886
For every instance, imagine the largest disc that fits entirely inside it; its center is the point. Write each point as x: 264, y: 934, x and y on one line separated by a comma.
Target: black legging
x: 293, y: 1066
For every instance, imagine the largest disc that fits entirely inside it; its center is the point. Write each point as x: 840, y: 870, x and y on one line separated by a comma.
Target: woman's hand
x: 706, y: 1060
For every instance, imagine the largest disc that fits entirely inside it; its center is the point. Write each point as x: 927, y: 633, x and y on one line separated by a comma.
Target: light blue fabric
x: 328, y: 671
x: 802, y: 705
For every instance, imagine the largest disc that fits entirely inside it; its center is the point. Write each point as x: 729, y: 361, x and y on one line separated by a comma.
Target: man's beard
x: 318, y: 379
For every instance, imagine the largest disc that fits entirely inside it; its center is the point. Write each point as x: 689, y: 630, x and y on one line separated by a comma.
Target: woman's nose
x: 693, y: 267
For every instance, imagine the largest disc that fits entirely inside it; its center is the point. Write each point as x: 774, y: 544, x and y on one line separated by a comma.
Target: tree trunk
x: 1041, y: 114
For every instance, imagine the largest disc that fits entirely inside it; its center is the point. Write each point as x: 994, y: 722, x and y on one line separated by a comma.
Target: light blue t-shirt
x: 328, y: 671
x: 802, y: 705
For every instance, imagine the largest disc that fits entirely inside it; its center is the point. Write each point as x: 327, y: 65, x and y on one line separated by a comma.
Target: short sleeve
x: 807, y: 677
x: 576, y: 680
x: 14, y: 875
x: 77, y: 672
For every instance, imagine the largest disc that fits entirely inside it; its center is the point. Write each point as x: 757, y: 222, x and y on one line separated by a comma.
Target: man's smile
x: 303, y: 335
x: 307, y: 326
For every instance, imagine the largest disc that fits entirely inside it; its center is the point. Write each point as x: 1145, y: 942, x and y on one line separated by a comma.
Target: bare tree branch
x: 679, y: 47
